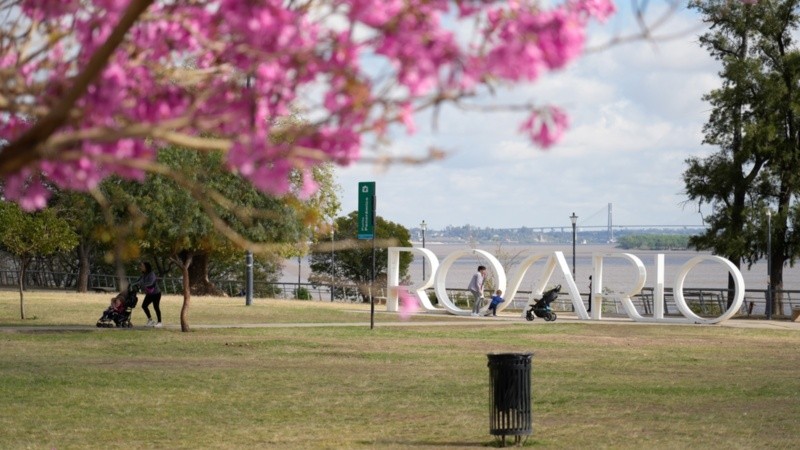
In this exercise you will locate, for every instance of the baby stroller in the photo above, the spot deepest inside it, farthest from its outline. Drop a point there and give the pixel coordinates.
(120, 317)
(541, 308)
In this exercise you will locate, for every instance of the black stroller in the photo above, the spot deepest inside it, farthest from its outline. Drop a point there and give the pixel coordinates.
(120, 318)
(541, 308)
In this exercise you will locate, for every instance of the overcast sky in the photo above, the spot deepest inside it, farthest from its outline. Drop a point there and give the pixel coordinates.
(636, 114)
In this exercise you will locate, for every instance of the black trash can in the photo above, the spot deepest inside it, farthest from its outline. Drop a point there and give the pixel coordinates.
(510, 391)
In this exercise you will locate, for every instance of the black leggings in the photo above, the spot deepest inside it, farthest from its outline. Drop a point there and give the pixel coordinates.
(155, 299)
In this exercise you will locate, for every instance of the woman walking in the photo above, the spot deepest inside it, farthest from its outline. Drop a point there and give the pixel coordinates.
(148, 282)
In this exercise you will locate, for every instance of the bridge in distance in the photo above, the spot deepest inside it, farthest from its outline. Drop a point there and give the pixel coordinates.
(609, 226)
(564, 229)
(607, 233)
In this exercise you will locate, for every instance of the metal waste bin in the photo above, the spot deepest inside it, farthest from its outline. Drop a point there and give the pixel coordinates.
(510, 391)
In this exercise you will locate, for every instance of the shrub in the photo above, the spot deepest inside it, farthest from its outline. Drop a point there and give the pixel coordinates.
(302, 293)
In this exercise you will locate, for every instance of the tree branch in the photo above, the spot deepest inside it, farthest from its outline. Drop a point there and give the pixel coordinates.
(28, 147)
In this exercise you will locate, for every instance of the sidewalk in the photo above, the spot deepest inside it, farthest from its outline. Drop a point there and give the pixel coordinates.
(502, 319)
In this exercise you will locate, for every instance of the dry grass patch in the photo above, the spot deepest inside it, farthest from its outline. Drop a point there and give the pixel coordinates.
(47, 308)
(595, 385)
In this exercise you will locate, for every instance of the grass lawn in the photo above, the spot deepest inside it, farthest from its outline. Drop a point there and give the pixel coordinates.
(594, 385)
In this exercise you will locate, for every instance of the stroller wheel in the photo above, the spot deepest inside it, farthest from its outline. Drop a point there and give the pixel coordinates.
(529, 316)
(554, 317)
(550, 317)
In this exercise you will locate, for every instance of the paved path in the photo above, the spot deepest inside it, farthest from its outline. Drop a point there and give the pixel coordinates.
(452, 321)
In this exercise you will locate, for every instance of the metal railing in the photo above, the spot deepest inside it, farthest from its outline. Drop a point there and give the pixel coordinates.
(174, 285)
(704, 301)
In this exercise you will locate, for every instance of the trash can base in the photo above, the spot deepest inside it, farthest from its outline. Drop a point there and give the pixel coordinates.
(518, 442)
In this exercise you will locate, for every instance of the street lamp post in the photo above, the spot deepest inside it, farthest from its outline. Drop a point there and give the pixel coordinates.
(248, 293)
(768, 306)
(574, 220)
(423, 226)
(299, 261)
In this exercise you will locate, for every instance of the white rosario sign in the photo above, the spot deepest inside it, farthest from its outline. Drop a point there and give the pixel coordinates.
(555, 261)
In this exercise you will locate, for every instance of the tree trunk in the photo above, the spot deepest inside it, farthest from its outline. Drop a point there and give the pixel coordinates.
(780, 247)
(122, 277)
(21, 288)
(199, 284)
(776, 277)
(732, 283)
(83, 268)
(24, 262)
(186, 262)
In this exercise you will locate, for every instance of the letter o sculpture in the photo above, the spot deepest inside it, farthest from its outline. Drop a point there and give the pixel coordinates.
(444, 267)
(738, 282)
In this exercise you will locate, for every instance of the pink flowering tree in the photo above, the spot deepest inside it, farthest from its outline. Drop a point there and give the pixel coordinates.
(91, 88)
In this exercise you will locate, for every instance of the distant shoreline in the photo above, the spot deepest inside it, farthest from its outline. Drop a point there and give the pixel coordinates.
(617, 271)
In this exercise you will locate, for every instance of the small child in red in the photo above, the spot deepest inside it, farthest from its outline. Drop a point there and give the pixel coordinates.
(117, 305)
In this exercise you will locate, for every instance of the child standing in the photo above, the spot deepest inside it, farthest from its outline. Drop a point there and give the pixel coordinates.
(496, 300)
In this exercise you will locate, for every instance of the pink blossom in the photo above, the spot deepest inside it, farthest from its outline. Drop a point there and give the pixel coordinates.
(41, 9)
(35, 197)
(257, 160)
(308, 185)
(12, 127)
(599, 9)
(407, 117)
(561, 39)
(27, 190)
(233, 69)
(365, 11)
(546, 126)
(8, 60)
(408, 304)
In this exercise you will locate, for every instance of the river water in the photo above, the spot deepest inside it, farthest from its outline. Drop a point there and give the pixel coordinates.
(618, 273)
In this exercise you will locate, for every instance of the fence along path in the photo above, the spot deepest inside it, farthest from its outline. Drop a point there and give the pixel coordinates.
(706, 301)
(174, 285)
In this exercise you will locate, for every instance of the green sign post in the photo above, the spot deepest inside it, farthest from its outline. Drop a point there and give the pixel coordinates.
(366, 230)
(366, 210)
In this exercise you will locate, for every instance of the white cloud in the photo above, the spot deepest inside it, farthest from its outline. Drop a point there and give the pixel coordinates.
(636, 114)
